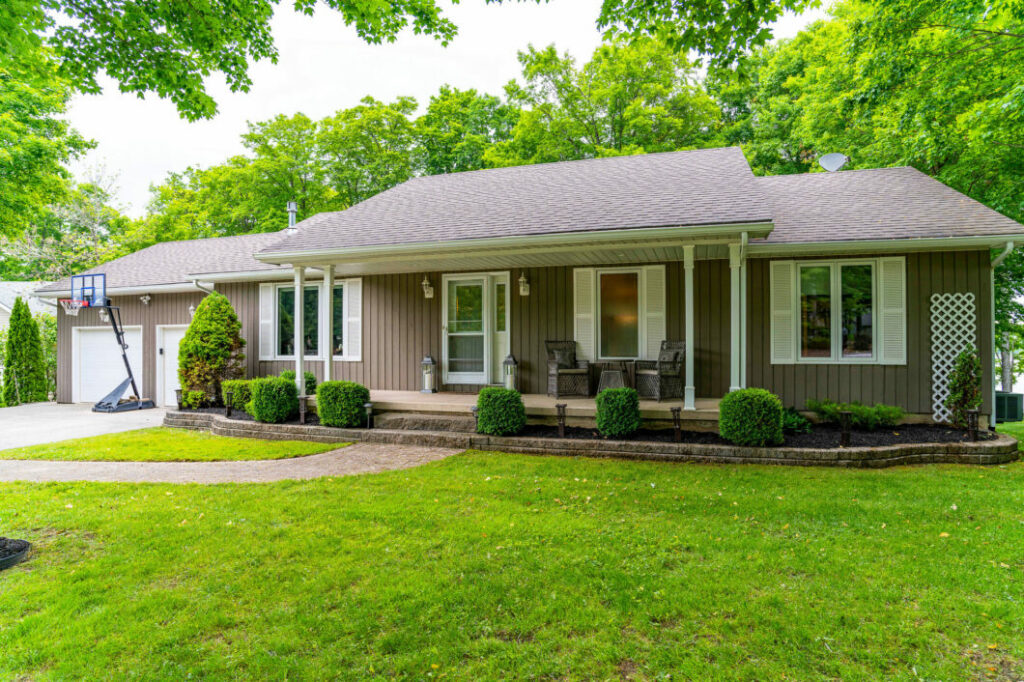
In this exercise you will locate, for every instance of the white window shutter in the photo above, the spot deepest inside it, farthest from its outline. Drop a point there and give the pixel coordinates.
(267, 326)
(891, 335)
(584, 302)
(782, 309)
(654, 309)
(353, 342)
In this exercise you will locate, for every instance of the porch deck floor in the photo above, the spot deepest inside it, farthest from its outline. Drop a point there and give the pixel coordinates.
(536, 405)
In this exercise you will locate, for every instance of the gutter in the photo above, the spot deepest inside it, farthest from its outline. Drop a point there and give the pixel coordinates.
(884, 246)
(179, 288)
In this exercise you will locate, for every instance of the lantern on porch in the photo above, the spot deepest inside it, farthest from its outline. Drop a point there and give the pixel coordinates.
(510, 370)
(429, 368)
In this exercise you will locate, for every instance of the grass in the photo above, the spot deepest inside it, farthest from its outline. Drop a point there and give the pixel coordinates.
(167, 445)
(1015, 429)
(489, 566)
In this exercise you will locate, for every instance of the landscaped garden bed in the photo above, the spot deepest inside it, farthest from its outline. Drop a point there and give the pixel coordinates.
(12, 552)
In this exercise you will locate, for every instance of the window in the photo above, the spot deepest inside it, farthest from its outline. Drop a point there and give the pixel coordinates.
(836, 311)
(286, 320)
(619, 309)
(338, 331)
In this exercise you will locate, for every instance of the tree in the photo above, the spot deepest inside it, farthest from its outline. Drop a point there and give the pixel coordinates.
(458, 127)
(171, 48)
(212, 349)
(47, 325)
(628, 99)
(24, 371)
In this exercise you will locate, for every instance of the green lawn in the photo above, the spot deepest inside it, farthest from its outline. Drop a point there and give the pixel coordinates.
(167, 445)
(491, 566)
(1015, 429)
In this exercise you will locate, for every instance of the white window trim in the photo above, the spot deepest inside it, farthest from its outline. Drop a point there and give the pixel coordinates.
(319, 321)
(641, 313)
(835, 283)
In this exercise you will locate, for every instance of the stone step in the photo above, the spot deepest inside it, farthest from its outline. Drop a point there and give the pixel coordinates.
(420, 421)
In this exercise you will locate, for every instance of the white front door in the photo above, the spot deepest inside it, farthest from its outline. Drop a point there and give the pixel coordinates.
(168, 338)
(475, 327)
(97, 365)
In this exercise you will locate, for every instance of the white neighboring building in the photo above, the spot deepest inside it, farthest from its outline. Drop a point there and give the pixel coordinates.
(9, 291)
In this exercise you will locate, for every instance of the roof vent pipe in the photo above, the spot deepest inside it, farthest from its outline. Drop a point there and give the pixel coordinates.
(292, 209)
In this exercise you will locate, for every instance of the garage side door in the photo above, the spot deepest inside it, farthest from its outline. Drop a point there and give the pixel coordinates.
(167, 355)
(98, 365)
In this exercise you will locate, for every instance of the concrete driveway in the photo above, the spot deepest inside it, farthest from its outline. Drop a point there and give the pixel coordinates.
(39, 423)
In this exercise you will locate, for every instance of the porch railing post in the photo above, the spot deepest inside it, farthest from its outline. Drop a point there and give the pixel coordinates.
(689, 391)
(300, 299)
(328, 335)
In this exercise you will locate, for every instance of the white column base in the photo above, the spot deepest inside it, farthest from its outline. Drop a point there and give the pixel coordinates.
(689, 398)
(734, 388)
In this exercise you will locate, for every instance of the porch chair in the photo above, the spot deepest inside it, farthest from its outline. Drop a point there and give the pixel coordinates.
(662, 378)
(566, 374)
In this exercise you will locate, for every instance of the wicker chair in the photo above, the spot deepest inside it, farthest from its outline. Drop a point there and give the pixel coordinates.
(662, 378)
(566, 374)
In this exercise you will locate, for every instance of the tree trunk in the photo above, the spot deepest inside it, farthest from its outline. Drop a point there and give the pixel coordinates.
(1006, 360)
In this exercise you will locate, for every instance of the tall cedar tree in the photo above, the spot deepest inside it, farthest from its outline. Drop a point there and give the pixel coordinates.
(24, 370)
(211, 351)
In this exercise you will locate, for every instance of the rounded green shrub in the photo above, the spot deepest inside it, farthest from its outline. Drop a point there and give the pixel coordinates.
(193, 400)
(308, 376)
(500, 411)
(274, 400)
(340, 403)
(751, 416)
(211, 351)
(241, 392)
(618, 412)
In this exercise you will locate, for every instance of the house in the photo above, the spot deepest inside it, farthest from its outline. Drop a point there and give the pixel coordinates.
(854, 285)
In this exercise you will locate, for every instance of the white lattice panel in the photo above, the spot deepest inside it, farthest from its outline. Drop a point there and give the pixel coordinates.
(954, 326)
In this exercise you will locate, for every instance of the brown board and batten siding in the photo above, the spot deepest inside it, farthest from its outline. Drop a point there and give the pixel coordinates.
(908, 386)
(400, 326)
(163, 309)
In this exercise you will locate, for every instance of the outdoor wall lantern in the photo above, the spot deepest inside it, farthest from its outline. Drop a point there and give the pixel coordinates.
(145, 299)
(524, 285)
(192, 310)
(429, 368)
(104, 316)
(510, 369)
(428, 291)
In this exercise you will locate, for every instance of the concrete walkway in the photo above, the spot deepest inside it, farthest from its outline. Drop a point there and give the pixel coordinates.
(360, 458)
(38, 423)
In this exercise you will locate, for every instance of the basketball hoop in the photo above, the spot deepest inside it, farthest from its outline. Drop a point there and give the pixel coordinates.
(72, 306)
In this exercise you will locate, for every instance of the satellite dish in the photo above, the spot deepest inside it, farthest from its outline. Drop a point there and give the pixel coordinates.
(834, 161)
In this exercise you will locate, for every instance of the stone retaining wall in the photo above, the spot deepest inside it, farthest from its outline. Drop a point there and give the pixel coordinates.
(999, 450)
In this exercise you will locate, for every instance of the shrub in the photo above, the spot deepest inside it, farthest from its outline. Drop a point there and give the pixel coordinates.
(273, 400)
(211, 351)
(340, 403)
(794, 422)
(241, 392)
(24, 367)
(500, 411)
(193, 400)
(964, 386)
(618, 412)
(863, 417)
(751, 416)
(309, 377)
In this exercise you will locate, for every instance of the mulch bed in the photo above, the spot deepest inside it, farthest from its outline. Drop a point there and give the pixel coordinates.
(822, 436)
(243, 416)
(12, 551)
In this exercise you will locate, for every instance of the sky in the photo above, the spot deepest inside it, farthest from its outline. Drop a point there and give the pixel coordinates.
(323, 67)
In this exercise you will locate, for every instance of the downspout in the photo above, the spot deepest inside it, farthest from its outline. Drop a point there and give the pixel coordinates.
(996, 262)
(44, 300)
(197, 285)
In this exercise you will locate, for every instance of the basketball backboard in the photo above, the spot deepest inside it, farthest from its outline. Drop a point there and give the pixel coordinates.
(91, 290)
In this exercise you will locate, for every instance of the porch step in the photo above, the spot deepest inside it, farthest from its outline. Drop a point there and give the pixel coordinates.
(424, 421)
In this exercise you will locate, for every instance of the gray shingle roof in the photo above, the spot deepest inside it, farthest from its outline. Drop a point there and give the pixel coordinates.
(698, 187)
(883, 203)
(172, 262)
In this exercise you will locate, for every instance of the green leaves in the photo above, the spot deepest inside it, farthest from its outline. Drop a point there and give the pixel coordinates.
(212, 349)
(24, 367)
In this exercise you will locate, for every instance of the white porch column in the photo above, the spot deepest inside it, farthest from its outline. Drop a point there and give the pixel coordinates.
(735, 318)
(328, 335)
(689, 391)
(300, 285)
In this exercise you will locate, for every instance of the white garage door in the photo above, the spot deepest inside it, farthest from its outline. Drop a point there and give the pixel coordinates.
(168, 340)
(98, 364)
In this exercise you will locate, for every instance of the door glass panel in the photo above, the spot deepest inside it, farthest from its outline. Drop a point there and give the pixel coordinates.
(499, 307)
(465, 307)
(815, 312)
(620, 315)
(857, 311)
(466, 353)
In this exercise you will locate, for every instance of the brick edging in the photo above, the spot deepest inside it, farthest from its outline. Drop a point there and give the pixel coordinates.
(1000, 450)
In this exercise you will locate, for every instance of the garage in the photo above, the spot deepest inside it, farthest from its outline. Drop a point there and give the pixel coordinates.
(97, 367)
